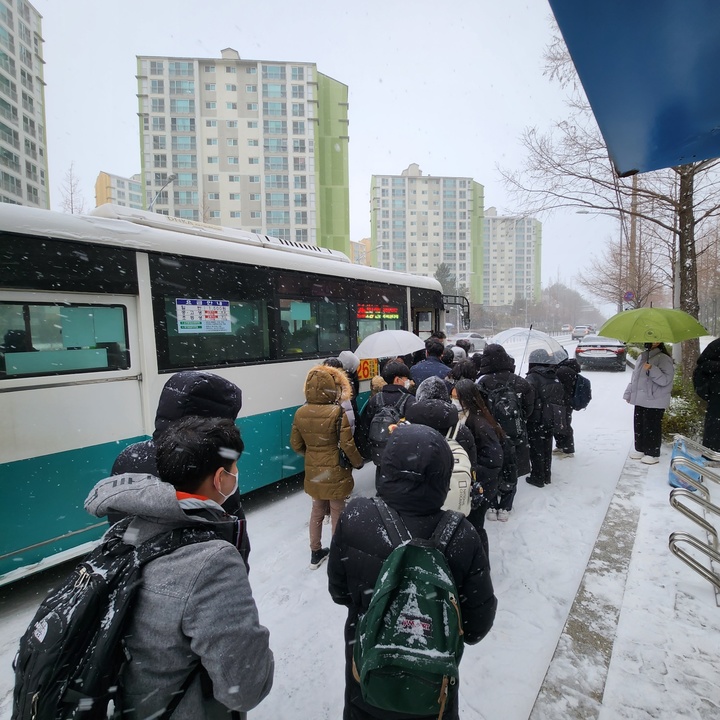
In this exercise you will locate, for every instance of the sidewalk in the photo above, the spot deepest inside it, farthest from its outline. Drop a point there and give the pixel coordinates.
(642, 637)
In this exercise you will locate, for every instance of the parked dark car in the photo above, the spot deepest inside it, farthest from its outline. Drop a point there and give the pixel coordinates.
(598, 353)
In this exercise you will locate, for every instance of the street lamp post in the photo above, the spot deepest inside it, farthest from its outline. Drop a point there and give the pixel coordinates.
(171, 178)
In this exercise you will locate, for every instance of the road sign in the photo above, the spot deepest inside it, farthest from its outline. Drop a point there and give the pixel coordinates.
(629, 295)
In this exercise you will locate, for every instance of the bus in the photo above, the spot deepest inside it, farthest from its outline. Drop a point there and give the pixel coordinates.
(98, 310)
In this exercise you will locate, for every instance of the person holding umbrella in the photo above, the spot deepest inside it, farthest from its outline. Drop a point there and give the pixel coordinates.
(649, 391)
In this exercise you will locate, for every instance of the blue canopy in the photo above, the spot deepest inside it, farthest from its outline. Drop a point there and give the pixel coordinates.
(651, 72)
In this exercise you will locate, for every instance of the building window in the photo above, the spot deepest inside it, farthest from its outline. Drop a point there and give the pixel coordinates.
(253, 161)
(160, 160)
(233, 160)
(214, 213)
(231, 105)
(300, 200)
(255, 215)
(211, 123)
(254, 196)
(251, 88)
(234, 213)
(299, 146)
(273, 90)
(230, 69)
(229, 87)
(273, 72)
(252, 124)
(213, 196)
(157, 87)
(301, 217)
(213, 178)
(251, 70)
(159, 142)
(275, 127)
(232, 142)
(212, 159)
(235, 178)
(210, 87)
(180, 68)
(182, 124)
(298, 109)
(299, 164)
(235, 196)
(156, 68)
(297, 73)
(209, 68)
(298, 92)
(157, 105)
(300, 182)
(158, 124)
(298, 127)
(252, 107)
(274, 109)
(182, 87)
(254, 178)
(253, 143)
(211, 141)
(211, 105)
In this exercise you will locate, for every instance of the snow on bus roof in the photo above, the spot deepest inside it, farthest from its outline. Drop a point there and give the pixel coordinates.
(118, 226)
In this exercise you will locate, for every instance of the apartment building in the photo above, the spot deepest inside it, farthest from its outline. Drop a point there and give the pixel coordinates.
(250, 144)
(119, 190)
(420, 221)
(511, 259)
(23, 144)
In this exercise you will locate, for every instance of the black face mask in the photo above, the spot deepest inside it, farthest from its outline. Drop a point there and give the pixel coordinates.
(648, 346)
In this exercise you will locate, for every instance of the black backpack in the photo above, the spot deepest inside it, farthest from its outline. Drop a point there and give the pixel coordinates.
(379, 431)
(582, 393)
(505, 406)
(72, 654)
(554, 412)
(701, 379)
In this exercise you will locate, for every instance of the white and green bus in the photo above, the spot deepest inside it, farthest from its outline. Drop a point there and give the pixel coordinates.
(97, 311)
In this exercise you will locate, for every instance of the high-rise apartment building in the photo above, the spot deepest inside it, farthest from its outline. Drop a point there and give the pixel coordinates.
(420, 221)
(119, 190)
(23, 145)
(511, 255)
(250, 144)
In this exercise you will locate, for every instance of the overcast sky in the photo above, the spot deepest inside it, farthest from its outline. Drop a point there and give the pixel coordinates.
(449, 86)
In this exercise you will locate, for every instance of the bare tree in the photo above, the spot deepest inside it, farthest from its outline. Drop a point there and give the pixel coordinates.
(569, 167)
(72, 201)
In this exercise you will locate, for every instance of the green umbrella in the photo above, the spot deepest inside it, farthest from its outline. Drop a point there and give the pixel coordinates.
(649, 325)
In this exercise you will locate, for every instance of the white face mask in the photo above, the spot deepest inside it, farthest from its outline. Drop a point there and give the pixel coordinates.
(407, 384)
(457, 404)
(235, 486)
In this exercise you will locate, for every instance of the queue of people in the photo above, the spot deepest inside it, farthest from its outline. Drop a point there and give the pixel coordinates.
(196, 621)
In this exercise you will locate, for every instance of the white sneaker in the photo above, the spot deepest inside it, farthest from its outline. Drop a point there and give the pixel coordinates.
(503, 515)
(635, 455)
(565, 455)
(491, 514)
(650, 460)
(558, 451)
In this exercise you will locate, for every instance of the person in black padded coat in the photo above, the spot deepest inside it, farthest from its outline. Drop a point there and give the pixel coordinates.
(414, 480)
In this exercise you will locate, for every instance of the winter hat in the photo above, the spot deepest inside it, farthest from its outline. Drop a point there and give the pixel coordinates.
(198, 393)
(540, 357)
(458, 352)
(432, 388)
(350, 360)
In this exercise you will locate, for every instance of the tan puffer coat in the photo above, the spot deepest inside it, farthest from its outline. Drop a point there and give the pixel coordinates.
(314, 434)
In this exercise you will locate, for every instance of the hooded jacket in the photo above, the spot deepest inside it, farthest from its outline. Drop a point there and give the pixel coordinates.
(195, 606)
(414, 480)
(388, 394)
(539, 374)
(709, 365)
(651, 388)
(314, 434)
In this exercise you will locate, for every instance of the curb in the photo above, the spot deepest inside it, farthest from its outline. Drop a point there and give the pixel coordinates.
(575, 680)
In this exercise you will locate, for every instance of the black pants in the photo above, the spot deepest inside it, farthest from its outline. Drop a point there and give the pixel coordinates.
(566, 441)
(540, 439)
(648, 430)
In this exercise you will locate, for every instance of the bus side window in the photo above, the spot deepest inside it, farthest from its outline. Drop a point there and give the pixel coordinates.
(53, 339)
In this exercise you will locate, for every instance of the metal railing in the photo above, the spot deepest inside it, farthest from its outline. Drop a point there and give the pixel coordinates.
(699, 484)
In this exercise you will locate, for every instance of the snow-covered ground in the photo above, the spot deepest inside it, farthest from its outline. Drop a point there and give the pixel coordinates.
(664, 661)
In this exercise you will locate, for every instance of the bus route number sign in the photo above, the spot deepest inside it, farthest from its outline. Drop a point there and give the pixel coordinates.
(367, 369)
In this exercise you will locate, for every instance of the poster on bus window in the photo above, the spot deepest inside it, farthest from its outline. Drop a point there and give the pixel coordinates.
(203, 316)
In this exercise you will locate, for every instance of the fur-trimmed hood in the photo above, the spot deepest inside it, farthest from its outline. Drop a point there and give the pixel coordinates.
(325, 385)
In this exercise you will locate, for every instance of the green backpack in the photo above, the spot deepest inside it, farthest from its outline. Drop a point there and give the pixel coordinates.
(409, 643)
